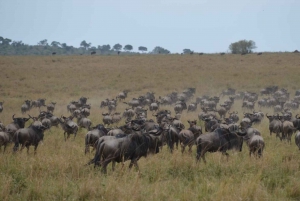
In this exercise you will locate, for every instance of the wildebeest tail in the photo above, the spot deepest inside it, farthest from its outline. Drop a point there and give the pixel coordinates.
(98, 154)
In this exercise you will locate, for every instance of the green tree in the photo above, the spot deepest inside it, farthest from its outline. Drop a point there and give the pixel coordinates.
(104, 48)
(117, 47)
(43, 42)
(128, 47)
(160, 50)
(55, 44)
(142, 48)
(242, 47)
(85, 45)
(4, 41)
(187, 51)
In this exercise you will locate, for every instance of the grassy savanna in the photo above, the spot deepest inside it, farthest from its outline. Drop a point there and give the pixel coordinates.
(57, 171)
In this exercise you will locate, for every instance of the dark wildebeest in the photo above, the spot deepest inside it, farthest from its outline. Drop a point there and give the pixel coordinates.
(234, 116)
(221, 140)
(189, 136)
(71, 107)
(297, 139)
(131, 147)
(93, 135)
(53, 53)
(26, 106)
(275, 125)
(38, 103)
(50, 107)
(1, 106)
(93, 52)
(107, 119)
(29, 136)
(122, 95)
(260, 53)
(5, 139)
(16, 125)
(69, 126)
(254, 141)
(83, 122)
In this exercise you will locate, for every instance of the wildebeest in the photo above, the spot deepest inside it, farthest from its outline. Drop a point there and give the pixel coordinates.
(26, 106)
(234, 116)
(180, 106)
(53, 53)
(297, 139)
(128, 113)
(154, 106)
(29, 136)
(1, 106)
(71, 107)
(287, 130)
(260, 53)
(131, 147)
(210, 124)
(17, 123)
(48, 115)
(189, 136)
(192, 107)
(254, 141)
(93, 52)
(69, 126)
(122, 95)
(83, 122)
(93, 135)
(275, 125)
(107, 119)
(116, 117)
(5, 139)
(51, 106)
(220, 140)
(38, 103)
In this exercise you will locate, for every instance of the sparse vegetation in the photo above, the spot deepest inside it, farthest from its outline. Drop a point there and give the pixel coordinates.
(57, 172)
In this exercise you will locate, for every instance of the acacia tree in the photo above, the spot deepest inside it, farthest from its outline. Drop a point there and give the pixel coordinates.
(142, 48)
(128, 47)
(160, 50)
(43, 42)
(85, 45)
(242, 47)
(117, 47)
(187, 51)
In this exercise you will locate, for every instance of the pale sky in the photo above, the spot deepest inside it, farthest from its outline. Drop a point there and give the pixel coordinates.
(200, 25)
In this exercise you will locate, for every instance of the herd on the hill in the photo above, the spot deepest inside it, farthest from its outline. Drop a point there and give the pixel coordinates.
(223, 130)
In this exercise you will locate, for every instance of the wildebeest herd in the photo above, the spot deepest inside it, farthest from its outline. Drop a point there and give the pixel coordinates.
(142, 134)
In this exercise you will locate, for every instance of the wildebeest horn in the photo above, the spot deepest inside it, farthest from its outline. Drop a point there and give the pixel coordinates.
(13, 117)
(296, 116)
(30, 116)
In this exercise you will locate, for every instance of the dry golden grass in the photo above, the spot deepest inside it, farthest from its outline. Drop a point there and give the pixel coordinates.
(57, 172)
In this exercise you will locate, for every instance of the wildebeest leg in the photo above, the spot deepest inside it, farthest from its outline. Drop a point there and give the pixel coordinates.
(226, 154)
(35, 147)
(203, 157)
(22, 147)
(134, 162)
(65, 136)
(182, 147)
(104, 166)
(27, 147)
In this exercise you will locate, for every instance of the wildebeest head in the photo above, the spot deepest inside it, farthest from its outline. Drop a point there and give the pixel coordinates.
(20, 121)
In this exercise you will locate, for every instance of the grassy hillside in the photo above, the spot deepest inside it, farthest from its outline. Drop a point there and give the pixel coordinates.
(57, 172)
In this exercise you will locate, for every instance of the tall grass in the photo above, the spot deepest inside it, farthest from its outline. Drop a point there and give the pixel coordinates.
(57, 172)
